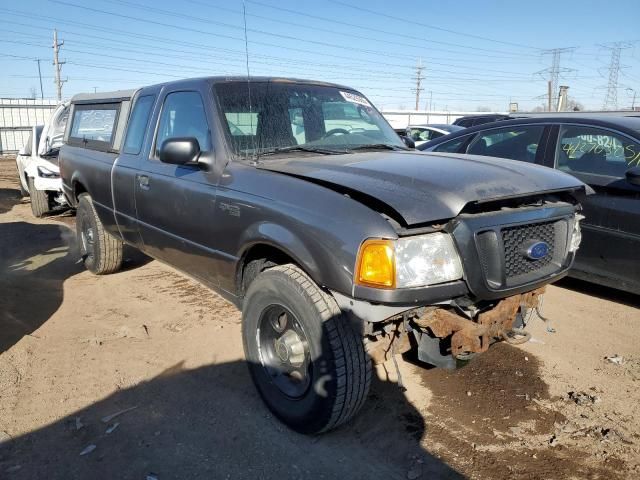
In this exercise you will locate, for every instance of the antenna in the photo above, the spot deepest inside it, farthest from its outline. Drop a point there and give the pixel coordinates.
(246, 50)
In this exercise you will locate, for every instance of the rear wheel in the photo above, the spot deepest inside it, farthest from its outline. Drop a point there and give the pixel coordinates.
(39, 200)
(307, 362)
(101, 252)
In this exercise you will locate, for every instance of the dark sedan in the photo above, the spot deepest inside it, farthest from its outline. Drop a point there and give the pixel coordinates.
(602, 151)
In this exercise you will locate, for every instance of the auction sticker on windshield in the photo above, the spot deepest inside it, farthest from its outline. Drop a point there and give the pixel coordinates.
(352, 97)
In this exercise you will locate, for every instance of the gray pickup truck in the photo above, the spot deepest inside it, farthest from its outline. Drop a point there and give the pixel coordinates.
(297, 201)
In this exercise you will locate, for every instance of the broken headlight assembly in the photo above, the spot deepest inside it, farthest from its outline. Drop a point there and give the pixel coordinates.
(576, 235)
(44, 172)
(416, 261)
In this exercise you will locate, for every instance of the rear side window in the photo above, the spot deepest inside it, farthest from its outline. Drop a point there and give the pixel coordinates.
(595, 151)
(420, 134)
(465, 122)
(93, 126)
(517, 143)
(451, 146)
(138, 125)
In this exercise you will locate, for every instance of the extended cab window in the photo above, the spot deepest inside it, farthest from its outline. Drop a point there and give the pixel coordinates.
(596, 151)
(517, 143)
(93, 125)
(138, 124)
(183, 115)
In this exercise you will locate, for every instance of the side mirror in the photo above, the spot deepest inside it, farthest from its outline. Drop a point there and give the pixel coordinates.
(180, 150)
(408, 142)
(633, 176)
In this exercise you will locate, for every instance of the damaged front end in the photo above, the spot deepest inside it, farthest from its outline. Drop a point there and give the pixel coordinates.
(446, 334)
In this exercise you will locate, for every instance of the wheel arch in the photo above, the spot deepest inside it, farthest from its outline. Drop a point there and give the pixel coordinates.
(260, 255)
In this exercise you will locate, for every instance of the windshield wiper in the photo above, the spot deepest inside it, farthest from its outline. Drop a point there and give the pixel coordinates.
(302, 148)
(379, 146)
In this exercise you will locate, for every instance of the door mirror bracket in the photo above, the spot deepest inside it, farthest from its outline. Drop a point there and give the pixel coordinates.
(180, 150)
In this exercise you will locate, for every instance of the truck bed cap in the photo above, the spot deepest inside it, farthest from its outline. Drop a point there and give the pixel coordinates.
(103, 96)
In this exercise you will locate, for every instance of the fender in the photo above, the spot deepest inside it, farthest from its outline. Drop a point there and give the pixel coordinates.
(324, 270)
(281, 238)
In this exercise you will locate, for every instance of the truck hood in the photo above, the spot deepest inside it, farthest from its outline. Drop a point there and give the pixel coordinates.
(427, 187)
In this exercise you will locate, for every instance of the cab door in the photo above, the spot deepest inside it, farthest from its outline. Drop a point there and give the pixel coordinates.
(611, 230)
(175, 204)
(127, 166)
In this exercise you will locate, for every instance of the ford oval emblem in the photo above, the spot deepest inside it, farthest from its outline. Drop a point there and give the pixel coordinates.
(536, 250)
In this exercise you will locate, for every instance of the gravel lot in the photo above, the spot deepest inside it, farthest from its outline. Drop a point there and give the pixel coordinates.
(76, 348)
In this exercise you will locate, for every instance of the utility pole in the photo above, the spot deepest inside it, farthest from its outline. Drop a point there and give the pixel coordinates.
(633, 101)
(553, 73)
(57, 64)
(611, 98)
(418, 78)
(40, 76)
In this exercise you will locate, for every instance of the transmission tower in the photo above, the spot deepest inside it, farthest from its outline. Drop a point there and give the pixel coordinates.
(553, 73)
(57, 64)
(418, 78)
(611, 99)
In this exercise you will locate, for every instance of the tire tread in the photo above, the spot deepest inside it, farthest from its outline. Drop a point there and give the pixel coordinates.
(353, 367)
(108, 258)
(39, 200)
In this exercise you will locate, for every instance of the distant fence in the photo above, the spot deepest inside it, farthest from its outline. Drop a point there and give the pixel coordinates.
(403, 118)
(17, 116)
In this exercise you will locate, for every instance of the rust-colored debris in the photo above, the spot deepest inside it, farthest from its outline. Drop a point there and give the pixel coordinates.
(469, 336)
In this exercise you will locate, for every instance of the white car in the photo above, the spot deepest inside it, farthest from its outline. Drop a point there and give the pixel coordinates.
(37, 163)
(423, 133)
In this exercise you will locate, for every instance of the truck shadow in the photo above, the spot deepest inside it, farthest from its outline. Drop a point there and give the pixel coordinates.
(36, 260)
(210, 423)
(8, 198)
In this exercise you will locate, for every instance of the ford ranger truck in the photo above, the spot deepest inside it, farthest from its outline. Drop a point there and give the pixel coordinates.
(296, 201)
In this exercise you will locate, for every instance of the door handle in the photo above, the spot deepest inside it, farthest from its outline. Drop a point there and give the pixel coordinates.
(143, 181)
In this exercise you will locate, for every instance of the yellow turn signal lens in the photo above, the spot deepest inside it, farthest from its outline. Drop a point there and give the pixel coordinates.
(376, 266)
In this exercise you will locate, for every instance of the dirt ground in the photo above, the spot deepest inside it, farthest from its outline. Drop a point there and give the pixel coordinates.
(76, 349)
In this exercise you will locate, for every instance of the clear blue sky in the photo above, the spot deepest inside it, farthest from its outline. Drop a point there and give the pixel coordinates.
(475, 54)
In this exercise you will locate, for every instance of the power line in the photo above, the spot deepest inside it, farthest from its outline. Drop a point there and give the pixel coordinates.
(375, 30)
(433, 27)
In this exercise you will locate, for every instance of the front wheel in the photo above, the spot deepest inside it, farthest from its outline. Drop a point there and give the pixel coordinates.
(39, 200)
(101, 252)
(306, 360)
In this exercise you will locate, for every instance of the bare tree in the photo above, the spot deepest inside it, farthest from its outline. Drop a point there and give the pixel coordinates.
(574, 106)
